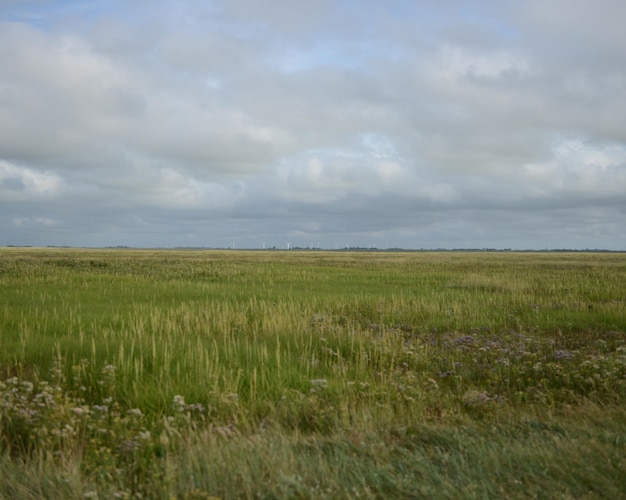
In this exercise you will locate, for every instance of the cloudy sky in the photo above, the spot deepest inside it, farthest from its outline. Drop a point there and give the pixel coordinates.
(403, 123)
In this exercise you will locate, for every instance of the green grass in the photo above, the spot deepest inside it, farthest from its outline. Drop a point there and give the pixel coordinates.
(234, 374)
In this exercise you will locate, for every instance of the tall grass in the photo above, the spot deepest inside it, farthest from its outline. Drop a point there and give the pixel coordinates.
(311, 374)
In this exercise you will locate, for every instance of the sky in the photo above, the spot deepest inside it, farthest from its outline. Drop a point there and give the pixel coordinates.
(239, 123)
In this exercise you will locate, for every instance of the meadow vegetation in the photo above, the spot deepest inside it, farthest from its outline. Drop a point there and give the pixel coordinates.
(305, 374)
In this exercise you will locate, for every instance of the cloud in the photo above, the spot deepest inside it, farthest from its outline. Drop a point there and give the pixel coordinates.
(20, 184)
(421, 124)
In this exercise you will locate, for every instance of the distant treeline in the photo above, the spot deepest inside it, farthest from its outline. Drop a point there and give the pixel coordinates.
(350, 249)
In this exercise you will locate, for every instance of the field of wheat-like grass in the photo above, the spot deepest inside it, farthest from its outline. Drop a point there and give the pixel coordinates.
(311, 374)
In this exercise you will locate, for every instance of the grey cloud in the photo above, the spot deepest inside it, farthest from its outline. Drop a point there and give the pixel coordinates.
(420, 124)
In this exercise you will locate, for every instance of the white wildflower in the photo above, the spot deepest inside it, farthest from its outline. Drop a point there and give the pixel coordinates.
(27, 386)
(319, 382)
(144, 435)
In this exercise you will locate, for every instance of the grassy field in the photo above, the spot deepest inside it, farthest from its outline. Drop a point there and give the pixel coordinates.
(202, 374)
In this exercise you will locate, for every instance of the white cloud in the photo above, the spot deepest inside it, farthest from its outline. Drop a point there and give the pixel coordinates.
(456, 64)
(21, 184)
(420, 123)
